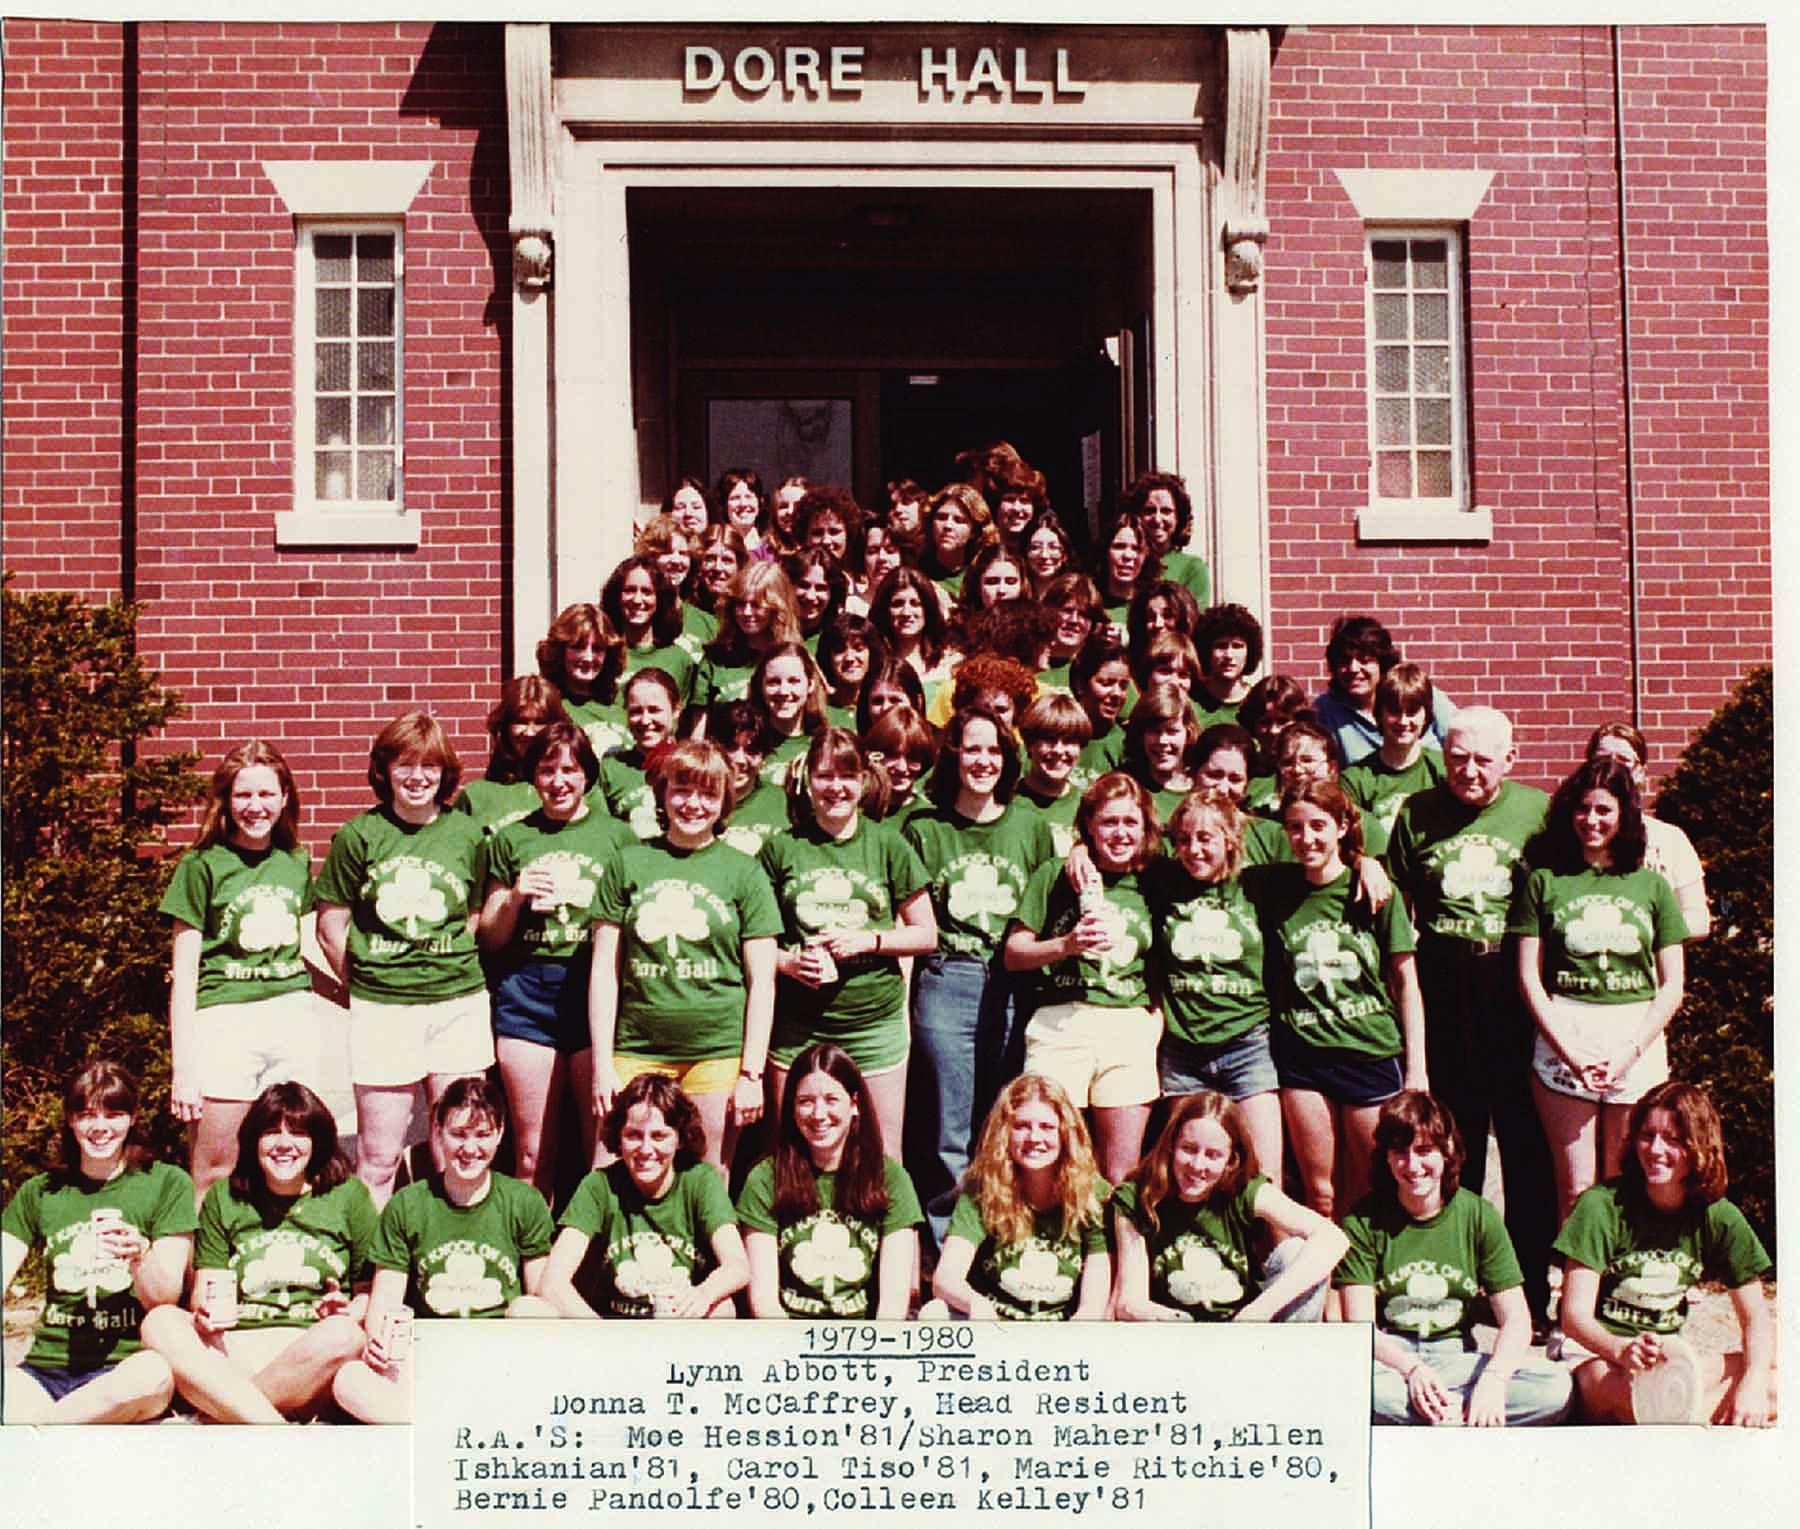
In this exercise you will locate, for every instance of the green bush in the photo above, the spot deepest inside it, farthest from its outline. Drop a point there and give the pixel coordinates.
(84, 816)
(1722, 795)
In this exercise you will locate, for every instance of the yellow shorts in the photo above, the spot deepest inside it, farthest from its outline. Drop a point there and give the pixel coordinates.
(714, 1075)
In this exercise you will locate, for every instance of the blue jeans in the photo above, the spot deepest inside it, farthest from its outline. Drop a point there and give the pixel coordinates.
(1309, 1305)
(1538, 1393)
(966, 1046)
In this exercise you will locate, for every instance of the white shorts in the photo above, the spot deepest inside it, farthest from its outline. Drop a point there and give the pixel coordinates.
(1100, 1056)
(244, 1047)
(1596, 1030)
(394, 1045)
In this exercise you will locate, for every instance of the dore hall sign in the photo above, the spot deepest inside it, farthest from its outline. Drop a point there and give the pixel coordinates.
(809, 71)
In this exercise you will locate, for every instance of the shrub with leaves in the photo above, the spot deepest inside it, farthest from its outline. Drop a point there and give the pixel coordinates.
(84, 817)
(1722, 795)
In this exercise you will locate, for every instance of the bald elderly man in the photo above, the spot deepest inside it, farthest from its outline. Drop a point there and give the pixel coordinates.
(1457, 855)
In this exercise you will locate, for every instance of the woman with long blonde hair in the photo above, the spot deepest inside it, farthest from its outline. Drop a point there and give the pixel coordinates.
(1027, 1239)
(756, 612)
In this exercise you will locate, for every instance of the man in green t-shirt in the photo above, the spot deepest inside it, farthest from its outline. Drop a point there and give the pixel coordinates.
(1457, 855)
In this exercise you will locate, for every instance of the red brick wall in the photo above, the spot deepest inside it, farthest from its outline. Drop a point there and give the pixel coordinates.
(316, 649)
(1697, 227)
(1536, 621)
(64, 293)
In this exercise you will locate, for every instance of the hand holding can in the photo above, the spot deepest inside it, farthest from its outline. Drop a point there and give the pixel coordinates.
(217, 1298)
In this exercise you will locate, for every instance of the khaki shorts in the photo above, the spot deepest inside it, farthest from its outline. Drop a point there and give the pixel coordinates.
(1104, 1057)
(394, 1045)
(713, 1075)
(244, 1047)
(1593, 1030)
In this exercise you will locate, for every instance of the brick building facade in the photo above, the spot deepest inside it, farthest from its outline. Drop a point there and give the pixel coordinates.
(1171, 231)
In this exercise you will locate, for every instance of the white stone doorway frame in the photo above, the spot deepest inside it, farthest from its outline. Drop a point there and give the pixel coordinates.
(576, 473)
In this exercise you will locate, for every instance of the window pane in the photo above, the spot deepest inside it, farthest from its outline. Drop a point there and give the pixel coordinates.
(1431, 263)
(375, 366)
(1390, 318)
(1431, 316)
(375, 422)
(1434, 475)
(1434, 422)
(332, 475)
(331, 257)
(1391, 368)
(355, 404)
(331, 419)
(375, 475)
(1431, 369)
(334, 310)
(375, 257)
(1391, 422)
(333, 368)
(375, 310)
(1393, 474)
(1388, 257)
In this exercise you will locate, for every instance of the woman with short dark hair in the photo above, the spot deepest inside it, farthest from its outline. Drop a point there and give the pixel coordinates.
(116, 1230)
(282, 1261)
(1422, 1249)
(398, 902)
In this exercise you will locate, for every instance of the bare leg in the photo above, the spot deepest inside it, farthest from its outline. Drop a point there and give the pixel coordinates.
(581, 1084)
(206, 1375)
(1356, 1135)
(371, 1397)
(135, 1390)
(299, 1377)
(1613, 1120)
(533, 1080)
(889, 1092)
(1312, 1129)
(712, 1121)
(1262, 1114)
(1570, 1125)
(215, 1142)
(1119, 1138)
(382, 1116)
(1605, 1393)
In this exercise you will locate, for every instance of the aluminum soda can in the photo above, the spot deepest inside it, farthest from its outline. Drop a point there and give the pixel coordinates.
(1090, 890)
(828, 971)
(218, 1294)
(397, 1336)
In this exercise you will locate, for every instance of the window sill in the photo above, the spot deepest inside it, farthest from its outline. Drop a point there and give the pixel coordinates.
(347, 528)
(1383, 524)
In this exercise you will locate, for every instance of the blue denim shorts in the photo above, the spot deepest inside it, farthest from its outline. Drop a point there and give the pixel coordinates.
(60, 1383)
(546, 1003)
(1237, 1068)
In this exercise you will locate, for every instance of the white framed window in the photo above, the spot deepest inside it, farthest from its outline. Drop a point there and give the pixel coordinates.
(1418, 402)
(349, 365)
(349, 350)
(1415, 224)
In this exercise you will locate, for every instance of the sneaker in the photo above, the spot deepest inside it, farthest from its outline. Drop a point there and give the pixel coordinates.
(934, 1311)
(1670, 1391)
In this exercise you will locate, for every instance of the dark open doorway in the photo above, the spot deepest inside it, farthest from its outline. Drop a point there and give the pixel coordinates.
(891, 333)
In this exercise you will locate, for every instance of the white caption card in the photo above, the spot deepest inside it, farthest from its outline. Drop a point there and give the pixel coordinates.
(975, 1420)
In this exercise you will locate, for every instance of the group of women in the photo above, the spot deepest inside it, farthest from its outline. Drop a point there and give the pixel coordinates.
(1025, 916)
